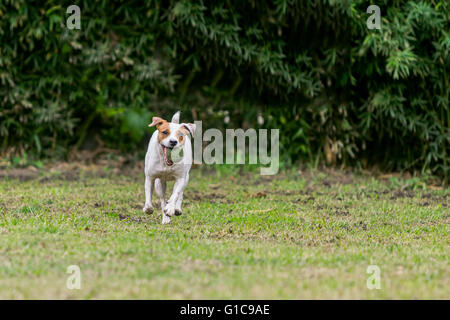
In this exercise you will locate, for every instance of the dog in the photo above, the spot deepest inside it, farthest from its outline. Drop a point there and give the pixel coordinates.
(159, 169)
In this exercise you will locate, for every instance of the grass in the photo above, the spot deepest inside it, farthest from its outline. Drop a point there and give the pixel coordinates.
(292, 236)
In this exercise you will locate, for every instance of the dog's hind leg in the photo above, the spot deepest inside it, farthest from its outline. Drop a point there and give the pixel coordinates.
(148, 207)
(160, 188)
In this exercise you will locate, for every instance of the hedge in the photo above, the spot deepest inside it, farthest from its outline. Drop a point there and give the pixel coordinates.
(339, 91)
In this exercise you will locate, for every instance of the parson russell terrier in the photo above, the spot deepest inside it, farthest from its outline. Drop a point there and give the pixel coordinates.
(159, 168)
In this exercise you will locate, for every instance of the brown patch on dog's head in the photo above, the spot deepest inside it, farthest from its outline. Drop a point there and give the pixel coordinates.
(162, 126)
(164, 130)
(181, 133)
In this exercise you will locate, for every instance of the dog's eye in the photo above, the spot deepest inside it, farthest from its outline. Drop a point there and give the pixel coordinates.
(180, 134)
(165, 132)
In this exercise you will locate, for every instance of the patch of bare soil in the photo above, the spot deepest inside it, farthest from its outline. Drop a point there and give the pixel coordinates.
(402, 194)
(21, 174)
(137, 219)
(72, 171)
(212, 197)
(259, 194)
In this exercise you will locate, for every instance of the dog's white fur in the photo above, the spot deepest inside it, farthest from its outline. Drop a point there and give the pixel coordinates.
(157, 171)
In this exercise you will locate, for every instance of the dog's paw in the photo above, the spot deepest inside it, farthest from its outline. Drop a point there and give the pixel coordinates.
(169, 210)
(165, 219)
(178, 212)
(148, 209)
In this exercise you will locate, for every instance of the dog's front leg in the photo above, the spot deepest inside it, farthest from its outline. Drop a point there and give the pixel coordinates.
(160, 188)
(178, 188)
(178, 211)
(148, 207)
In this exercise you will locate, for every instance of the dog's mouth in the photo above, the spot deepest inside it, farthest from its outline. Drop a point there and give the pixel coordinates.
(166, 160)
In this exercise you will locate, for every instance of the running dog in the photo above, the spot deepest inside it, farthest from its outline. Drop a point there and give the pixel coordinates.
(170, 138)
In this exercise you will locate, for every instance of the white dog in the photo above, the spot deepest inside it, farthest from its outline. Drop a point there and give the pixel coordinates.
(159, 168)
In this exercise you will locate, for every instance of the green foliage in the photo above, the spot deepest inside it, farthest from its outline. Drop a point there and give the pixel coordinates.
(338, 90)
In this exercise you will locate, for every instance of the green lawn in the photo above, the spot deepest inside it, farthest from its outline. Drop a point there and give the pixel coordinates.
(293, 236)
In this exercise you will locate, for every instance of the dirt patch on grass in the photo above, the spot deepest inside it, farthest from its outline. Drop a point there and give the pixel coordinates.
(21, 174)
(341, 212)
(212, 197)
(137, 219)
(402, 194)
(259, 194)
(74, 171)
(304, 200)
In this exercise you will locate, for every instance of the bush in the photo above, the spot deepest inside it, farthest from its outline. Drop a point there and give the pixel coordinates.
(339, 91)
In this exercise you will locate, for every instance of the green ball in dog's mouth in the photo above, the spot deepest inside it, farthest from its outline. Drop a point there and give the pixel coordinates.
(175, 155)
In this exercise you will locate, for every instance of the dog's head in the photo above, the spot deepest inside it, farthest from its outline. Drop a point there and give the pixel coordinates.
(171, 135)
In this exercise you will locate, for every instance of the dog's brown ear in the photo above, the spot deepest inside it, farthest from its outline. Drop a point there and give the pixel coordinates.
(156, 121)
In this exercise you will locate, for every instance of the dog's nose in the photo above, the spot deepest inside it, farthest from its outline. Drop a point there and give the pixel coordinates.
(173, 143)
